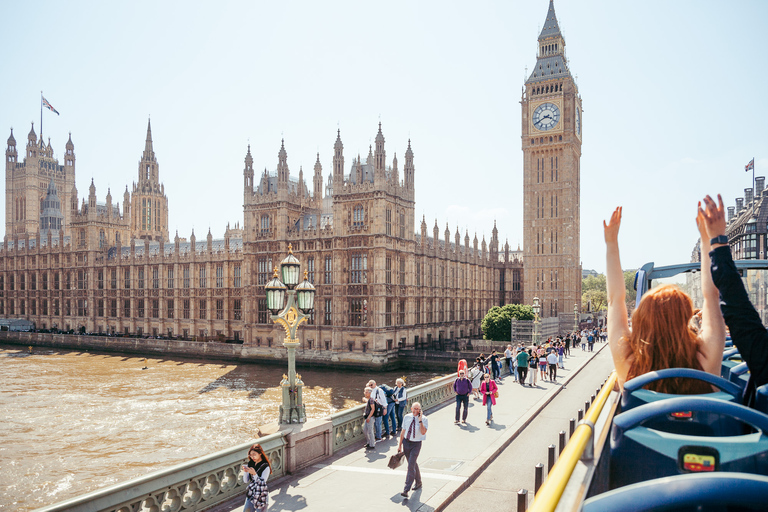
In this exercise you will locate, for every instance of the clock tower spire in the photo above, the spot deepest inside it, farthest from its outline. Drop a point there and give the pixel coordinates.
(551, 143)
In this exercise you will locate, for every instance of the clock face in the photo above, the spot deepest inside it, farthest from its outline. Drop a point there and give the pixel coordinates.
(546, 116)
(578, 121)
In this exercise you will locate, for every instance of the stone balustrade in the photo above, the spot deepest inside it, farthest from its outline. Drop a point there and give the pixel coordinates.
(203, 482)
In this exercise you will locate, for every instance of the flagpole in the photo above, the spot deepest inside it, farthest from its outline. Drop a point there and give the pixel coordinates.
(753, 187)
(41, 116)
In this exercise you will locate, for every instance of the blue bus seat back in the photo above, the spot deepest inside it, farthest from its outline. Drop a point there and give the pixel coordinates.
(634, 395)
(761, 399)
(686, 492)
(651, 453)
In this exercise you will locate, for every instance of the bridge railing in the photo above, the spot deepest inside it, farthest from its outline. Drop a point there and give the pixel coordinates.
(193, 485)
(206, 481)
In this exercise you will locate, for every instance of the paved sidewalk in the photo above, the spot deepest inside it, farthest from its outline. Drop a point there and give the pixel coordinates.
(452, 457)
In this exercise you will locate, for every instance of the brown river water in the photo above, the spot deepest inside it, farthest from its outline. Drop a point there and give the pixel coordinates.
(73, 422)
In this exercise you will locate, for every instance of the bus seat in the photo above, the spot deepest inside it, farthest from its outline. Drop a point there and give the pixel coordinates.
(634, 395)
(640, 453)
(739, 375)
(682, 493)
(761, 399)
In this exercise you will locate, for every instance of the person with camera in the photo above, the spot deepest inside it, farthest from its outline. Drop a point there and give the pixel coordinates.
(414, 431)
(255, 474)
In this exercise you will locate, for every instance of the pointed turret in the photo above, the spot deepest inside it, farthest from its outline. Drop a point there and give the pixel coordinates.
(338, 164)
(408, 170)
(248, 173)
(379, 158)
(32, 137)
(69, 155)
(317, 180)
(300, 186)
(148, 150)
(551, 63)
(92, 196)
(395, 172)
(11, 156)
(282, 166)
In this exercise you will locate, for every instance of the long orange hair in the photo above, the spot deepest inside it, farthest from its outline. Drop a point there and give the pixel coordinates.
(663, 336)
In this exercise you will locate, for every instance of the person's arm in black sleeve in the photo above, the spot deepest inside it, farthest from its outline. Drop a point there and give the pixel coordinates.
(747, 330)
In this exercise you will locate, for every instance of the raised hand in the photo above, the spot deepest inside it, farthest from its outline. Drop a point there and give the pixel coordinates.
(611, 229)
(713, 216)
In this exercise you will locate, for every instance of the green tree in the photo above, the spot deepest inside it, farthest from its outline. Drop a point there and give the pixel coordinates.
(497, 323)
(593, 291)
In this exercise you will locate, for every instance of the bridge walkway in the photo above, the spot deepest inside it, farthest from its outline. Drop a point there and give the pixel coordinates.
(471, 466)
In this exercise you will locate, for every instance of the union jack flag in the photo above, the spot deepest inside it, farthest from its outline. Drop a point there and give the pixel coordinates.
(49, 106)
(750, 166)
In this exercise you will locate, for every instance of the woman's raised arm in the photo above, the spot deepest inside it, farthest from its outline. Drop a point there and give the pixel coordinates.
(618, 326)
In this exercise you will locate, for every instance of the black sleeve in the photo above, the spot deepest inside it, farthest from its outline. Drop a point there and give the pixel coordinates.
(747, 330)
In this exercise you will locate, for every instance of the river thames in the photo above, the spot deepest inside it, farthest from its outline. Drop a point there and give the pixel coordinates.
(74, 422)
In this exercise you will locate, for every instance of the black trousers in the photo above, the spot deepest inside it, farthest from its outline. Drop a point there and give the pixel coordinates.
(462, 399)
(522, 373)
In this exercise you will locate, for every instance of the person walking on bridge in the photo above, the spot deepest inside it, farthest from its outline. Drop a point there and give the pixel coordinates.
(414, 432)
(255, 474)
(489, 390)
(463, 387)
(522, 366)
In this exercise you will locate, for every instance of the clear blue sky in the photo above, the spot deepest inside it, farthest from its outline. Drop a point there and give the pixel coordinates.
(673, 96)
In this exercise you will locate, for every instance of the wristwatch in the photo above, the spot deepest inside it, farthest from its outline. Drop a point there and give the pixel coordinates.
(720, 239)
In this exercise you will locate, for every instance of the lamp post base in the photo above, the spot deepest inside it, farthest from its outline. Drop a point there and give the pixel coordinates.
(292, 414)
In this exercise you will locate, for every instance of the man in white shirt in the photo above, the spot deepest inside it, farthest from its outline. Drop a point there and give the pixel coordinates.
(380, 397)
(414, 432)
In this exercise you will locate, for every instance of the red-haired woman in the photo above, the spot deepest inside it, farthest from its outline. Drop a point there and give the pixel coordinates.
(255, 474)
(662, 334)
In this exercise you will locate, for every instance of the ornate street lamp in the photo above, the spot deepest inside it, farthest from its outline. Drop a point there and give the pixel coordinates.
(575, 318)
(301, 301)
(536, 310)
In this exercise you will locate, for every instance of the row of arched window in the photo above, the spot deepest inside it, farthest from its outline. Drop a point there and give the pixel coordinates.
(546, 89)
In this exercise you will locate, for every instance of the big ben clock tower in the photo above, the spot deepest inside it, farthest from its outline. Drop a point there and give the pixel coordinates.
(551, 139)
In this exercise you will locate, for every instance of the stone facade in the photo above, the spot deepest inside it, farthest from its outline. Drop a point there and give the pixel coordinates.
(379, 284)
(551, 142)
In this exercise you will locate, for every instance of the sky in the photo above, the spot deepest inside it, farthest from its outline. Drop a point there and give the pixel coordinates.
(673, 95)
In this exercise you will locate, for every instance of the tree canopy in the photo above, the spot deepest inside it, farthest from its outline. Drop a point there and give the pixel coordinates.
(593, 291)
(497, 324)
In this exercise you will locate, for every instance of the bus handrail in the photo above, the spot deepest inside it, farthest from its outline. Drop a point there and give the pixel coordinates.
(549, 494)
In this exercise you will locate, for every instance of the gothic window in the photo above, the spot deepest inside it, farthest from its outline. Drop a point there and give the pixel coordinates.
(263, 315)
(185, 308)
(401, 313)
(418, 273)
(100, 279)
(185, 278)
(102, 239)
(202, 309)
(202, 282)
(264, 270)
(126, 275)
(219, 309)
(388, 313)
(328, 270)
(388, 270)
(264, 223)
(141, 278)
(155, 278)
(170, 278)
(311, 269)
(140, 308)
(155, 308)
(402, 225)
(237, 312)
(237, 281)
(126, 308)
(169, 310)
(388, 221)
(357, 312)
(359, 269)
(402, 271)
(219, 276)
(418, 311)
(328, 313)
(358, 218)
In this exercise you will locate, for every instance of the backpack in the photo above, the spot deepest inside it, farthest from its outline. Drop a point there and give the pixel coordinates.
(389, 392)
(378, 410)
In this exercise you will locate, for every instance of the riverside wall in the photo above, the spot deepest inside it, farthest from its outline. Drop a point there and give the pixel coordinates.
(235, 352)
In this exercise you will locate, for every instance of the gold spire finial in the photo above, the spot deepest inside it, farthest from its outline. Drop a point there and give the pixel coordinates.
(275, 271)
(290, 248)
(306, 275)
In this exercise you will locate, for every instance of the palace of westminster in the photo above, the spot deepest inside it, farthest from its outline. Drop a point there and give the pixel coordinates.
(106, 267)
